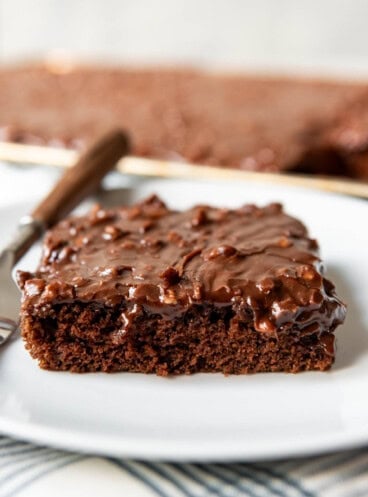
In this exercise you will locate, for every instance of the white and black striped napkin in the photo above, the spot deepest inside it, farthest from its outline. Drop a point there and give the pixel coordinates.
(27, 470)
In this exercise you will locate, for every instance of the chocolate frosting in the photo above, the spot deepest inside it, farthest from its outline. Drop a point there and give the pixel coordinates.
(260, 261)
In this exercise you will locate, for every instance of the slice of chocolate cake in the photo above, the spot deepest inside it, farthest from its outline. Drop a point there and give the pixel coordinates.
(152, 290)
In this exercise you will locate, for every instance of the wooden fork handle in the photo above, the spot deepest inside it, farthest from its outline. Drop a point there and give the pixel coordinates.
(81, 179)
(75, 184)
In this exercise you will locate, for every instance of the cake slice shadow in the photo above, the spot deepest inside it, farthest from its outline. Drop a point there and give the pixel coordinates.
(352, 338)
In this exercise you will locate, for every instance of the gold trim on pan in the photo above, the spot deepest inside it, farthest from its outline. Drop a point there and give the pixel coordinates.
(48, 156)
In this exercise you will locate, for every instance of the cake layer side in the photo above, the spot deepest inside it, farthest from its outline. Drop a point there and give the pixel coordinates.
(81, 337)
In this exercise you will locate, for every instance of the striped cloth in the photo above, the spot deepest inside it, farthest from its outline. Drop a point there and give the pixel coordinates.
(28, 471)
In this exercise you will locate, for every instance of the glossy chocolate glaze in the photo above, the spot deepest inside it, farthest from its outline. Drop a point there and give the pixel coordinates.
(259, 261)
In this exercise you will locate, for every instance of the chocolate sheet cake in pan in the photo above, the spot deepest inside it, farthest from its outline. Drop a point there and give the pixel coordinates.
(246, 122)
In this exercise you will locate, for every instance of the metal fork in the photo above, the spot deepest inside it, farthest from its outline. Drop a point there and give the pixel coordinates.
(75, 185)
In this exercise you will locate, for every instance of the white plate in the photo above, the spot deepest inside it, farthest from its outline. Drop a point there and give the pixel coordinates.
(210, 416)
